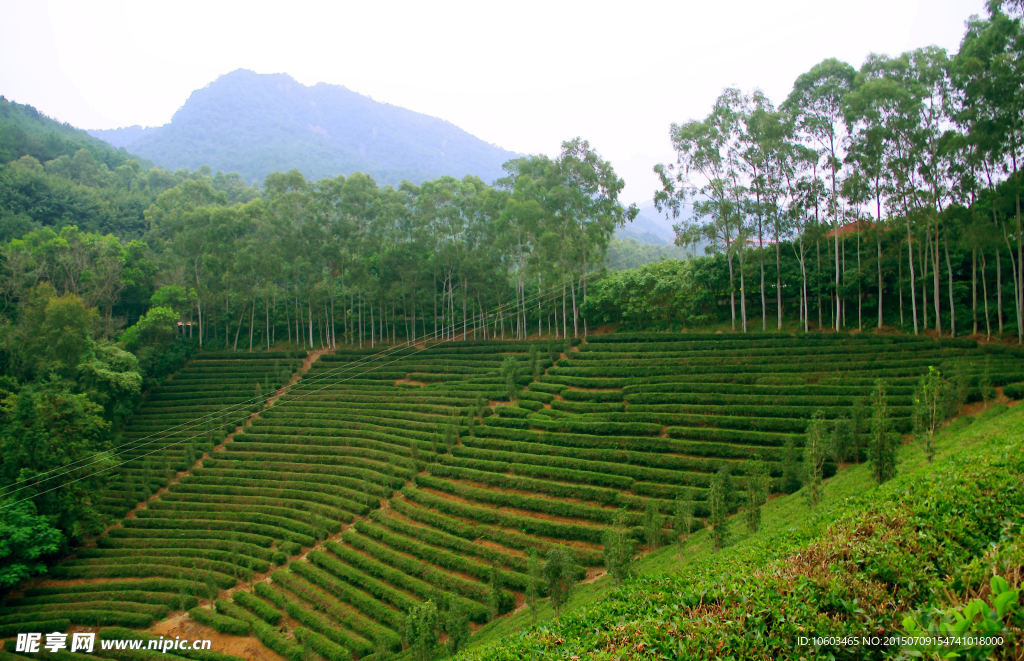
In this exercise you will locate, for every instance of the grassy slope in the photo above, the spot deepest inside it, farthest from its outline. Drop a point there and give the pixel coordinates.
(893, 570)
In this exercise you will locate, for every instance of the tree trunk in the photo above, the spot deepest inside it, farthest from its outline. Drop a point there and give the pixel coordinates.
(199, 305)
(575, 311)
(974, 289)
(565, 323)
(298, 319)
(743, 293)
(540, 319)
(732, 291)
(238, 330)
(1020, 269)
(832, 305)
(842, 299)
(899, 265)
(1013, 275)
(922, 254)
(937, 282)
(881, 285)
(804, 302)
(764, 303)
(778, 279)
(913, 298)
(821, 320)
(835, 226)
(949, 273)
(860, 292)
(999, 291)
(252, 319)
(984, 295)
(1020, 273)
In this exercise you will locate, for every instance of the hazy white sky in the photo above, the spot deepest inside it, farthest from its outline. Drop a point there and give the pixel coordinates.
(523, 75)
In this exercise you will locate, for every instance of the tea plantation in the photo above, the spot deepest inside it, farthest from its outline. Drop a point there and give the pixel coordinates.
(384, 479)
(815, 581)
(152, 565)
(189, 414)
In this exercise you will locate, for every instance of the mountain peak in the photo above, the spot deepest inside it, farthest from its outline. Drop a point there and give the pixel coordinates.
(254, 124)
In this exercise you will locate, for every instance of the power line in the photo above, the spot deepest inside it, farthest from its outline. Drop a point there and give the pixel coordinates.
(551, 294)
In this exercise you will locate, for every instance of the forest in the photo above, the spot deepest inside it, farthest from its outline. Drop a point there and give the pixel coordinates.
(887, 196)
(869, 225)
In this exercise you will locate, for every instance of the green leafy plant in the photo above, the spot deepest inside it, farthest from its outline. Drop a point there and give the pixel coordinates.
(758, 485)
(619, 548)
(510, 373)
(718, 504)
(816, 450)
(682, 523)
(929, 409)
(421, 630)
(883, 441)
(559, 570)
(975, 619)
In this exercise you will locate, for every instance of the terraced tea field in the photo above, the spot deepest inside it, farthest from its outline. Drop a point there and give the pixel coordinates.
(380, 481)
(144, 569)
(193, 411)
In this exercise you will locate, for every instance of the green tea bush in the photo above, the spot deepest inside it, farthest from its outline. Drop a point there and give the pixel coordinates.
(260, 608)
(400, 579)
(321, 645)
(339, 570)
(367, 605)
(218, 622)
(309, 618)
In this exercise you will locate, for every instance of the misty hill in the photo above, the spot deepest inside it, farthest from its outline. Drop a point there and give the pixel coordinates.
(24, 131)
(649, 226)
(255, 124)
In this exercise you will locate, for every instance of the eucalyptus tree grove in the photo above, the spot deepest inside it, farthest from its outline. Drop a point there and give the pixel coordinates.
(917, 152)
(344, 260)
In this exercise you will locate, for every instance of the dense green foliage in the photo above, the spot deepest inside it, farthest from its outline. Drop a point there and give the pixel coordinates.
(629, 253)
(859, 565)
(53, 175)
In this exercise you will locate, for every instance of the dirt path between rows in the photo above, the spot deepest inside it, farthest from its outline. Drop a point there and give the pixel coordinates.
(246, 647)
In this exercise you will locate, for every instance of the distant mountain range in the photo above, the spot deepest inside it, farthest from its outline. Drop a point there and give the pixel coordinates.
(650, 226)
(255, 124)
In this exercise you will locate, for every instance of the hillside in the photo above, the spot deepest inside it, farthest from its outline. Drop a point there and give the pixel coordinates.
(852, 566)
(255, 124)
(26, 131)
(649, 226)
(386, 479)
